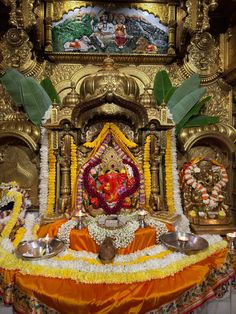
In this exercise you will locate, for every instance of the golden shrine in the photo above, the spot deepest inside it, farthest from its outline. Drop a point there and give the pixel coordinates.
(117, 179)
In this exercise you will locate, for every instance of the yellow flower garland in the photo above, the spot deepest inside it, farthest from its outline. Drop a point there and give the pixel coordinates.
(73, 167)
(117, 134)
(146, 169)
(51, 178)
(34, 231)
(169, 173)
(10, 262)
(19, 236)
(15, 213)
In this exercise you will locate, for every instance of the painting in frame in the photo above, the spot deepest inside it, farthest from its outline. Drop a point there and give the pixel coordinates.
(95, 29)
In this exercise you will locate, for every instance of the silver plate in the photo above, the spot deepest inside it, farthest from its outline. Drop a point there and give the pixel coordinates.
(38, 249)
(187, 243)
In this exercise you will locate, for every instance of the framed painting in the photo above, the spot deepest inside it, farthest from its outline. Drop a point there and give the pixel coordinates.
(78, 30)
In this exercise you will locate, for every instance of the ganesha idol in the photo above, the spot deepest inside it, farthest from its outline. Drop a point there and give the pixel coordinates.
(109, 182)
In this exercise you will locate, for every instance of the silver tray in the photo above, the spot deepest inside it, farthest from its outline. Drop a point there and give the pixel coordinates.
(187, 243)
(39, 249)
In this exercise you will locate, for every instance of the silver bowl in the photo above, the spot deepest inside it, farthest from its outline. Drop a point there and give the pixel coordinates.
(39, 249)
(183, 242)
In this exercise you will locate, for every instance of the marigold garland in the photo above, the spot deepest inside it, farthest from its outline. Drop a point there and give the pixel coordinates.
(117, 134)
(17, 196)
(73, 167)
(74, 269)
(146, 169)
(169, 171)
(19, 236)
(51, 178)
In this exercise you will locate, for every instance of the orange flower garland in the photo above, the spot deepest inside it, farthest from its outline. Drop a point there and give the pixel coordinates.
(146, 169)
(73, 168)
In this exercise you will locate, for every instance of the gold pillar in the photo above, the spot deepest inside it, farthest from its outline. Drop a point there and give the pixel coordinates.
(65, 172)
(48, 26)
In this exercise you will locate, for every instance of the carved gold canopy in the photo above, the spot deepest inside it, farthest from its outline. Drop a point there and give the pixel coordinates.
(108, 95)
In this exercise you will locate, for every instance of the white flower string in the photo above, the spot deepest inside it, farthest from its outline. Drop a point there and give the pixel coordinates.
(65, 230)
(183, 223)
(122, 236)
(30, 221)
(43, 185)
(160, 227)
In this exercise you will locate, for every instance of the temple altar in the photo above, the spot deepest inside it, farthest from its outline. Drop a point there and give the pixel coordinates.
(117, 157)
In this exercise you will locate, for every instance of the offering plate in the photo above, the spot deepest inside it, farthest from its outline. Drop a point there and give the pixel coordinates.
(183, 242)
(39, 249)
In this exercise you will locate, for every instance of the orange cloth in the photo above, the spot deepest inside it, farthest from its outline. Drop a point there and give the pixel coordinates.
(70, 297)
(81, 240)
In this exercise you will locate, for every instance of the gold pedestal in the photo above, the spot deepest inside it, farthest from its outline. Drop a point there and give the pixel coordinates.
(213, 229)
(46, 219)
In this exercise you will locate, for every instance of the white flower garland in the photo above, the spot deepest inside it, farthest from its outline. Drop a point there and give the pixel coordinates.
(159, 226)
(30, 221)
(122, 236)
(64, 231)
(183, 223)
(79, 265)
(43, 185)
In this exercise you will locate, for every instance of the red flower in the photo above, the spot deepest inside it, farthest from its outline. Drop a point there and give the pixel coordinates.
(95, 202)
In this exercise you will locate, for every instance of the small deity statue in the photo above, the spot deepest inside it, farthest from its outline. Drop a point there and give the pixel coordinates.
(203, 182)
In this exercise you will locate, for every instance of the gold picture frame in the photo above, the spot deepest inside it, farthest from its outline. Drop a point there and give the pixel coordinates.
(75, 31)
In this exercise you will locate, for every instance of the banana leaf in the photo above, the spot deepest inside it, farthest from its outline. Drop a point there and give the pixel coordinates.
(10, 80)
(201, 121)
(186, 104)
(188, 86)
(35, 100)
(195, 111)
(50, 90)
(169, 94)
(162, 85)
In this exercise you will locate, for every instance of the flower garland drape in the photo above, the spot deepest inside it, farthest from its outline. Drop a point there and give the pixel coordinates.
(51, 178)
(43, 185)
(73, 167)
(17, 196)
(146, 169)
(154, 263)
(172, 182)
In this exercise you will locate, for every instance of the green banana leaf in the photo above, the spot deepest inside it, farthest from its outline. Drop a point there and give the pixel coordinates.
(186, 104)
(169, 94)
(188, 86)
(35, 100)
(10, 80)
(201, 121)
(195, 111)
(50, 90)
(162, 85)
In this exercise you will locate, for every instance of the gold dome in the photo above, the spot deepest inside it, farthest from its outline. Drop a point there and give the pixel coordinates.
(72, 98)
(146, 99)
(109, 82)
